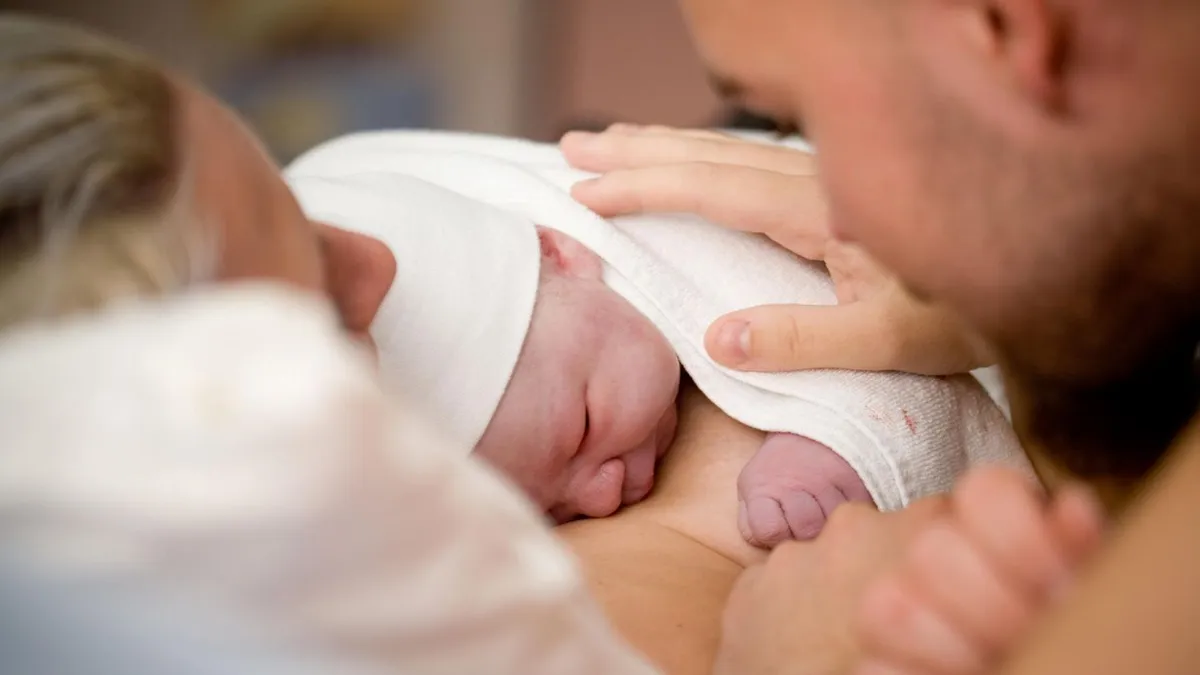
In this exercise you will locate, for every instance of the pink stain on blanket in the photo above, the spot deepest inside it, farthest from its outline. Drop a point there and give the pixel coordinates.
(908, 420)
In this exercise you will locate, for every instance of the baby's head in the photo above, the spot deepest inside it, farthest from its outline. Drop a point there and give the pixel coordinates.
(591, 404)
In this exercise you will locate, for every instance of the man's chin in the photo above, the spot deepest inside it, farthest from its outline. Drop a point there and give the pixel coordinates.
(1118, 427)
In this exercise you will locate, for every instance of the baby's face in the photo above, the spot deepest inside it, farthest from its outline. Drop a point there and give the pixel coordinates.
(591, 404)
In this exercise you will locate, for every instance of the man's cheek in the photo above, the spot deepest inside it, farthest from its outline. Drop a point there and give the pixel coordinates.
(861, 211)
(840, 193)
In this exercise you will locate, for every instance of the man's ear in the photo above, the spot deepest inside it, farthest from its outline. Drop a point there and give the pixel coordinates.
(1028, 40)
(568, 256)
(359, 271)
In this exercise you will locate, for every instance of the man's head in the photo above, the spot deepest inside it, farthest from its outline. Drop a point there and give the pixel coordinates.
(118, 179)
(1035, 164)
(591, 404)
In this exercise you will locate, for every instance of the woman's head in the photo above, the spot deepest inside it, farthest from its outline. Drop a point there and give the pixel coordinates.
(119, 179)
(89, 173)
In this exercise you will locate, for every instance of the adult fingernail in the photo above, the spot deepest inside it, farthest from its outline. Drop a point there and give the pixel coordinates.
(733, 342)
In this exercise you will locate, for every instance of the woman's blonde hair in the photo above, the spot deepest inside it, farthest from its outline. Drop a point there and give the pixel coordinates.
(91, 175)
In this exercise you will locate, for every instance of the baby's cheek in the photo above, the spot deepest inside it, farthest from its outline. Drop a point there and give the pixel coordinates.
(527, 464)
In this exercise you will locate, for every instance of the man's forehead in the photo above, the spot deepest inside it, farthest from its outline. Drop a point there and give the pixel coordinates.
(725, 29)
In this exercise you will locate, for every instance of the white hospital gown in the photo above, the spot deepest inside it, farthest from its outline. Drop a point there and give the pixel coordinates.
(232, 450)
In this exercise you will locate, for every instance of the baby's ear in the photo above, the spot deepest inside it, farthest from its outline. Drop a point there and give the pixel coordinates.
(568, 256)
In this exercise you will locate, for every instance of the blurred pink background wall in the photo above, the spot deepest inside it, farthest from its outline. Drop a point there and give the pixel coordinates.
(527, 67)
(627, 60)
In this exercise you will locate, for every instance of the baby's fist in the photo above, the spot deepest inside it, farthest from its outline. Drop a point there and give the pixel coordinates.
(789, 488)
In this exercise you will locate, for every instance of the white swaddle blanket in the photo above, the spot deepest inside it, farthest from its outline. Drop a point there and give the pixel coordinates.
(906, 436)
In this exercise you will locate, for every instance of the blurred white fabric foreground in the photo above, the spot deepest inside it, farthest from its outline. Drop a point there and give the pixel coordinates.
(232, 450)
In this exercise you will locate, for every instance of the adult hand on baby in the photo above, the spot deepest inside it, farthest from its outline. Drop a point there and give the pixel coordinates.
(772, 190)
(796, 613)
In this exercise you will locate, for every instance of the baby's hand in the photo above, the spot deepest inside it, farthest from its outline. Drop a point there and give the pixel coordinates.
(975, 580)
(790, 486)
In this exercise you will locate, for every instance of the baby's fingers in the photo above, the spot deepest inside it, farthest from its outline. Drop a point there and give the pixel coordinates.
(763, 523)
(807, 512)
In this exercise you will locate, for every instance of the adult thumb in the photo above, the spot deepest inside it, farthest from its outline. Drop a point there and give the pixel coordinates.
(775, 338)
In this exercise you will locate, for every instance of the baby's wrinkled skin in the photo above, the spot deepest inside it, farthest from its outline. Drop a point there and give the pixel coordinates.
(590, 409)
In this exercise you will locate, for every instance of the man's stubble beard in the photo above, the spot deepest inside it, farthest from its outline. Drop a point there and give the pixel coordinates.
(1098, 343)
(1102, 371)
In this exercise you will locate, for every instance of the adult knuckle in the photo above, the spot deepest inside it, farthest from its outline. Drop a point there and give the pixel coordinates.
(795, 340)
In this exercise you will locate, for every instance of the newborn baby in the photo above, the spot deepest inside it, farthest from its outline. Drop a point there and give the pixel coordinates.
(591, 407)
(549, 341)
